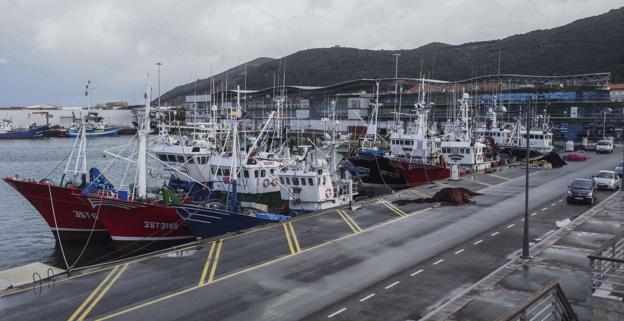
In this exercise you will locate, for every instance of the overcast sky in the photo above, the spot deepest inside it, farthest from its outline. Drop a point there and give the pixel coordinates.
(49, 49)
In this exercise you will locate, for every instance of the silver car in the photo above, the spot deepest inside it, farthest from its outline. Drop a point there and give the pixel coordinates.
(608, 180)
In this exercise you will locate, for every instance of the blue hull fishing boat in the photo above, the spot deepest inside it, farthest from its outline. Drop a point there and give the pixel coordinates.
(32, 132)
(97, 133)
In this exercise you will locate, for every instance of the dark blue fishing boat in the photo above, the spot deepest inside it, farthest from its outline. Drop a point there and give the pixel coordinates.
(8, 132)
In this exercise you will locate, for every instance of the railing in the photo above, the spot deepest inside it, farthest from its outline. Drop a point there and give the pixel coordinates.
(606, 267)
(549, 303)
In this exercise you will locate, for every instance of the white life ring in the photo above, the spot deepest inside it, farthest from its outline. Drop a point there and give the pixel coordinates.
(266, 182)
(328, 192)
(274, 182)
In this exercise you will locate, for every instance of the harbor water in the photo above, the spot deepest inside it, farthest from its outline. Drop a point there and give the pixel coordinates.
(24, 235)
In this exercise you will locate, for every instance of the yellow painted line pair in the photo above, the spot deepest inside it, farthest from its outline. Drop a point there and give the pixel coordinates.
(211, 263)
(482, 183)
(419, 193)
(501, 177)
(345, 217)
(92, 300)
(442, 184)
(291, 237)
(393, 208)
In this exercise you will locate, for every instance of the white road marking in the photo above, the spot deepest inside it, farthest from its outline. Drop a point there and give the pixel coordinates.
(457, 252)
(533, 214)
(495, 233)
(561, 200)
(393, 284)
(417, 272)
(545, 209)
(337, 313)
(438, 261)
(553, 204)
(522, 220)
(511, 225)
(477, 242)
(367, 297)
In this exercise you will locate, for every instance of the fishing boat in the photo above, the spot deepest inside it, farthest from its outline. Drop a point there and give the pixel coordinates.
(8, 131)
(67, 216)
(209, 219)
(95, 126)
(314, 181)
(414, 157)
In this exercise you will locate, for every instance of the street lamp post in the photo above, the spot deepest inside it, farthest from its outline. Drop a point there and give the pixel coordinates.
(525, 239)
(158, 64)
(396, 87)
(604, 121)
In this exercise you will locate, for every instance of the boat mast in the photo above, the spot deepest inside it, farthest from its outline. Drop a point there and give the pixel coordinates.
(143, 132)
(235, 151)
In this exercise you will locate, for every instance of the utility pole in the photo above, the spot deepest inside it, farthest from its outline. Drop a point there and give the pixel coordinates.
(525, 240)
(158, 64)
(396, 87)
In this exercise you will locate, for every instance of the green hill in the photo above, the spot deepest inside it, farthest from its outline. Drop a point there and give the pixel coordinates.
(594, 44)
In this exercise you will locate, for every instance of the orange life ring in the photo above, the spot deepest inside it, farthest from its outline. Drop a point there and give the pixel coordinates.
(274, 182)
(328, 193)
(266, 182)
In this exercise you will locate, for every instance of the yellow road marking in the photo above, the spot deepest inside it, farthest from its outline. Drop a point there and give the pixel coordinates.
(102, 293)
(393, 208)
(419, 193)
(442, 184)
(207, 265)
(501, 177)
(239, 272)
(352, 221)
(294, 237)
(215, 262)
(290, 245)
(345, 217)
(482, 183)
(88, 299)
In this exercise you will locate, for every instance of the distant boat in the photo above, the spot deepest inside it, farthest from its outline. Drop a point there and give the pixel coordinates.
(7, 131)
(97, 133)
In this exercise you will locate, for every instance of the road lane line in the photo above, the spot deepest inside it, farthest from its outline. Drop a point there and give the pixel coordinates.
(477, 242)
(357, 227)
(97, 289)
(417, 272)
(482, 183)
(344, 218)
(290, 245)
(391, 285)
(103, 292)
(419, 193)
(215, 262)
(561, 200)
(545, 209)
(442, 184)
(294, 237)
(553, 204)
(438, 261)
(367, 297)
(522, 220)
(495, 233)
(336, 313)
(392, 207)
(533, 214)
(207, 265)
(458, 251)
(501, 177)
(511, 225)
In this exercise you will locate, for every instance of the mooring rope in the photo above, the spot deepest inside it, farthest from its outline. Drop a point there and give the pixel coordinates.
(58, 233)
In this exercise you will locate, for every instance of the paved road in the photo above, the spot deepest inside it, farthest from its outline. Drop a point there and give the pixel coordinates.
(376, 274)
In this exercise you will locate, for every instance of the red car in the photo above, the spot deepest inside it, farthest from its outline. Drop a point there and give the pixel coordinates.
(577, 156)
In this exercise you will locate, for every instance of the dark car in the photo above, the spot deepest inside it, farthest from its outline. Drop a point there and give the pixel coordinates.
(582, 190)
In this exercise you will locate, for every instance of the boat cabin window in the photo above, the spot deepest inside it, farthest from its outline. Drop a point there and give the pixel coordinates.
(219, 172)
(287, 181)
(324, 182)
(262, 173)
(162, 157)
(191, 159)
(226, 172)
(272, 171)
(246, 173)
(311, 181)
(282, 180)
(295, 181)
(318, 181)
(180, 159)
(256, 173)
(303, 181)
(203, 160)
(171, 158)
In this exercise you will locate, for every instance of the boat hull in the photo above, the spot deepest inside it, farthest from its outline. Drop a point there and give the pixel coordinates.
(206, 223)
(105, 133)
(75, 220)
(36, 132)
(140, 227)
(398, 172)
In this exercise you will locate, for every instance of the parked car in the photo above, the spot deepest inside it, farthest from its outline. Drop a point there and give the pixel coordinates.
(618, 169)
(604, 146)
(607, 180)
(582, 190)
(577, 156)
